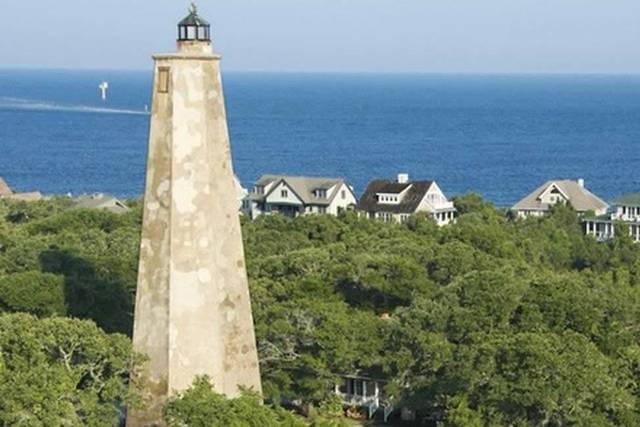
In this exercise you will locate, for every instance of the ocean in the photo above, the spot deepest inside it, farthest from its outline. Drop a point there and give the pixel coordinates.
(499, 136)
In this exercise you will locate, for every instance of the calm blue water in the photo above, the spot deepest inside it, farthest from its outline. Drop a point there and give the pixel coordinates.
(500, 136)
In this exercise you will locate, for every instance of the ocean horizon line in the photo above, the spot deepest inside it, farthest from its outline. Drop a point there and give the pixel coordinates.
(344, 72)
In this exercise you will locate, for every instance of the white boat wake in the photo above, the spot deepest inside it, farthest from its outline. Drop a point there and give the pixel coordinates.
(35, 105)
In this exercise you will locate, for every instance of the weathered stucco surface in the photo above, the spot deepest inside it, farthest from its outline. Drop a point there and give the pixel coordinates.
(193, 311)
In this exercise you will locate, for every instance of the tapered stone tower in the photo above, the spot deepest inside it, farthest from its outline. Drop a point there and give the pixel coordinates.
(193, 311)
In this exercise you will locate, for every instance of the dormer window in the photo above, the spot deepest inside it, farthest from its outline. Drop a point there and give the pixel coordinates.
(389, 199)
(258, 189)
(320, 193)
(284, 193)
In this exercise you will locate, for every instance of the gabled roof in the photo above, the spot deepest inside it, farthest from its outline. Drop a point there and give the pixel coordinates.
(303, 187)
(101, 201)
(5, 190)
(389, 187)
(408, 204)
(579, 197)
(632, 199)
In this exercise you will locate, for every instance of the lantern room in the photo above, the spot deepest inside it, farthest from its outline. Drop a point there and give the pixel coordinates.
(193, 27)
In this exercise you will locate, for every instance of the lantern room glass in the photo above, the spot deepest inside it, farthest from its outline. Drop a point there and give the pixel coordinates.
(194, 32)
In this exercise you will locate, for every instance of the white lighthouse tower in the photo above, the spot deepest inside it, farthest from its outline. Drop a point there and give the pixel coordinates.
(193, 311)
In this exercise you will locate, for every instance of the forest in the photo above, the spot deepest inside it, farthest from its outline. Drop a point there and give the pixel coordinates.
(490, 321)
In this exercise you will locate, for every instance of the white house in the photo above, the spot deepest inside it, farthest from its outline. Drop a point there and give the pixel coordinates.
(364, 392)
(398, 200)
(299, 195)
(627, 208)
(573, 193)
(626, 212)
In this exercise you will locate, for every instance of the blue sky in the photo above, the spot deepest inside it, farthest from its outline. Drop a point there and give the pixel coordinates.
(466, 36)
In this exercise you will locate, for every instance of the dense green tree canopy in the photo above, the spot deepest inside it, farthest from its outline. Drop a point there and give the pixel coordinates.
(62, 372)
(491, 321)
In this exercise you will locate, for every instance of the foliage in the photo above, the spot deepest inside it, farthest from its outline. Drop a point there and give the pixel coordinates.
(33, 292)
(489, 321)
(56, 372)
(201, 406)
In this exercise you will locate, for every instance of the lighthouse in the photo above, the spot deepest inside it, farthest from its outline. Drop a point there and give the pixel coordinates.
(193, 310)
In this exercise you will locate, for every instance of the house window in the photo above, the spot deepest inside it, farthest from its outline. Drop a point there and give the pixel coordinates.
(359, 389)
(321, 194)
(344, 194)
(163, 80)
(322, 209)
(284, 193)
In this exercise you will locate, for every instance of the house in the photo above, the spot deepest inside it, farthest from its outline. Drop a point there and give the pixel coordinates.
(364, 392)
(626, 212)
(299, 195)
(4, 188)
(398, 200)
(7, 193)
(101, 201)
(570, 192)
(627, 208)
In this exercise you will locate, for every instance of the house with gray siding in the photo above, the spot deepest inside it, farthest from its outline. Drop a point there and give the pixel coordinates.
(299, 195)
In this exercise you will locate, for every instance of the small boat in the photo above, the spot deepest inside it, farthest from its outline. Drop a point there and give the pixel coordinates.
(104, 87)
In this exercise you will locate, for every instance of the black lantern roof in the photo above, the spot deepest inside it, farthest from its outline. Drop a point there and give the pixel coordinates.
(193, 27)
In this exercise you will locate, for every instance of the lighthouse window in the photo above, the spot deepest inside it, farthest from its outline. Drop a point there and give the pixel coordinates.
(163, 80)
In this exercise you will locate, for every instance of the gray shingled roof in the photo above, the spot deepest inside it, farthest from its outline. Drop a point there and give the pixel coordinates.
(579, 197)
(410, 202)
(632, 199)
(101, 201)
(303, 187)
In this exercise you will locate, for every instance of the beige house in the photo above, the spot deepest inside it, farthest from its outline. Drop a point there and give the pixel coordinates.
(398, 200)
(626, 212)
(101, 201)
(574, 193)
(4, 188)
(7, 193)
(299, 195)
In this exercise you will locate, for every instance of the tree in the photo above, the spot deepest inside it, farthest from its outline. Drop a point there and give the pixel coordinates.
(56, 372)
(201, 406)
(33, 292)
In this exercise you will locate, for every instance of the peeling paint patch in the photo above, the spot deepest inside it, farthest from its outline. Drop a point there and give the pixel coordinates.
(185, 195)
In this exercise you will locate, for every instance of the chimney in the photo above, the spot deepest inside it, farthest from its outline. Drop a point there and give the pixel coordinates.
(581, 183)
(403, 178)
